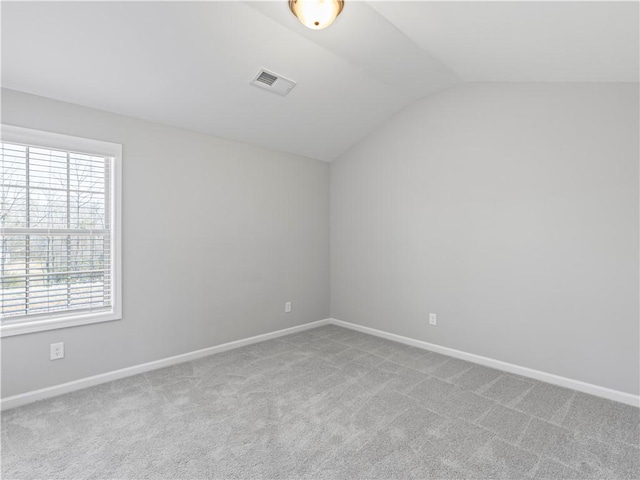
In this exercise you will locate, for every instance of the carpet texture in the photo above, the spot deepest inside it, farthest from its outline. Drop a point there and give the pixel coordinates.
(328, 403)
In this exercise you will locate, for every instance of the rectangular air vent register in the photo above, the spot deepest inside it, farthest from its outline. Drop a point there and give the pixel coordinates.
(273, 82)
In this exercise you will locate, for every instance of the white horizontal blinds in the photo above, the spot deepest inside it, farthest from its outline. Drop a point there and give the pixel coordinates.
(55, 232)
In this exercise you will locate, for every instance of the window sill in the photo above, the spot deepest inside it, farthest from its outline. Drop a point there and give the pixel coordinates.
(54, 323)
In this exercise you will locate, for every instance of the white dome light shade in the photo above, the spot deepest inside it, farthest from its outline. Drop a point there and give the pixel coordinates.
(316, 14)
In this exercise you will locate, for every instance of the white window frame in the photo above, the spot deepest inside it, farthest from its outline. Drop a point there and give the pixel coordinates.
(38, 138)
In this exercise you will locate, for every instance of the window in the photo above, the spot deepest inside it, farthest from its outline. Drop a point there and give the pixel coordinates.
(59, 231)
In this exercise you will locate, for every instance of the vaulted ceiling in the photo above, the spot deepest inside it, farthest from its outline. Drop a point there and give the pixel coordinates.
(189, 64)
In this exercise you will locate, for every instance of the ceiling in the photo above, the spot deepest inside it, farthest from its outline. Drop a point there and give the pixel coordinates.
(189, 64)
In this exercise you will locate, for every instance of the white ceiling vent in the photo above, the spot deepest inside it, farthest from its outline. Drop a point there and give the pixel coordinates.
(273, 82)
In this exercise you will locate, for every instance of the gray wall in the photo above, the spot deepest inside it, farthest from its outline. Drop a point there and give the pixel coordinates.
(511, 211)
(217, 235)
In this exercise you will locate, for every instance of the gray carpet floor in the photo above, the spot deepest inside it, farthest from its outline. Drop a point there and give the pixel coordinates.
(327, 403)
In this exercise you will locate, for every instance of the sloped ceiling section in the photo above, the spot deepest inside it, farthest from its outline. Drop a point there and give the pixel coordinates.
(189, 64)
(526, 41)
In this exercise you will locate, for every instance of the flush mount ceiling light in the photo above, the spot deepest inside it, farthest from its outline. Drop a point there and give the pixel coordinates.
(316, 14)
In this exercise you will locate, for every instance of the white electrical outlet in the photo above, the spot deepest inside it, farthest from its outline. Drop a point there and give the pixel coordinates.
(433, 319)
(57, 351)
(287, 307)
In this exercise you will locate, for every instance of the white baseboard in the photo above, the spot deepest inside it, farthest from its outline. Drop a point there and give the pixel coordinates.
(578, 385)
(35, 395)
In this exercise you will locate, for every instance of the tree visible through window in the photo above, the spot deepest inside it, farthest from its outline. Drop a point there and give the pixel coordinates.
(55, 232)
